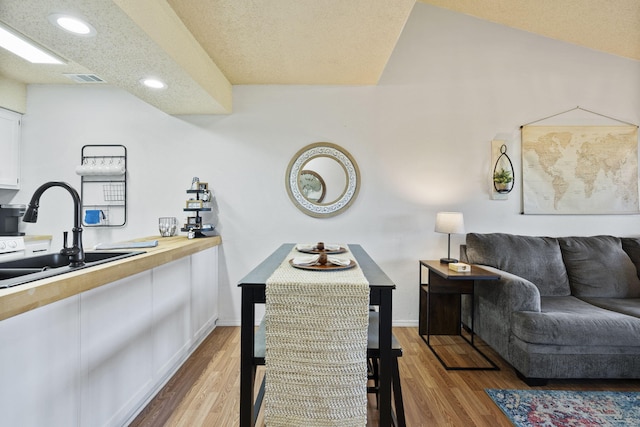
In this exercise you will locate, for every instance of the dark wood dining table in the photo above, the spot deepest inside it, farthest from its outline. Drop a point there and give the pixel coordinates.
(253, 292)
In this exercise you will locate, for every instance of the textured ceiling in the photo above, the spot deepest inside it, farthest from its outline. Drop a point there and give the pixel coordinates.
(611, 26)
(202, 47)
(297, 41)
(125, 50)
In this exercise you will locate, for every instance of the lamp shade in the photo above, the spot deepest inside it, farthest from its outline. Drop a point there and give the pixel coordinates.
(449, 223)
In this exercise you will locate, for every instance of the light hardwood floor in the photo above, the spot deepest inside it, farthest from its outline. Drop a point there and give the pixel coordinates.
(205, 391)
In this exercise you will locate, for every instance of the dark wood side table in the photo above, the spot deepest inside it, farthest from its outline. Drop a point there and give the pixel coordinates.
(440, 305)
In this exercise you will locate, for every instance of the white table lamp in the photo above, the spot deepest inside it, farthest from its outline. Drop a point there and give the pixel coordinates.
(449, 223)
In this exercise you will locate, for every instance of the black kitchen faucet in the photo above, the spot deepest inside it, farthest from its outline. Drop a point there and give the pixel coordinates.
(75, 252)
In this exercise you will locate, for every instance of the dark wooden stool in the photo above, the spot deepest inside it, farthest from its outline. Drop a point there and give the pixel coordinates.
(373, 355)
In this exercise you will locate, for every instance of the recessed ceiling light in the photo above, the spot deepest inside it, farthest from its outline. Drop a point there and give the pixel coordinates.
(72, 24)
(25, 48)
(153, 83)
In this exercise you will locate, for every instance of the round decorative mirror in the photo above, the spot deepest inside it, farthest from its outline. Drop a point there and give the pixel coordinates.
(322, 179)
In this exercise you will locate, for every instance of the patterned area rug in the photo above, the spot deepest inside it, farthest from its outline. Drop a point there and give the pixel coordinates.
(568, 408)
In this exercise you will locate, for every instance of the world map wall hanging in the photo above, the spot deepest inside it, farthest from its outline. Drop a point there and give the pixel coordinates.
(580, 169)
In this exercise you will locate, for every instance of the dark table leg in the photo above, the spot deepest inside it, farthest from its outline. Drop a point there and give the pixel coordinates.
(247, 373)
(385, 356)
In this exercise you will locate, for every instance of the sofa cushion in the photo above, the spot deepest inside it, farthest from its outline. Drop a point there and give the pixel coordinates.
(598, 267)
(571, 321)
(631, 245)
(537, 259)
(628, 306)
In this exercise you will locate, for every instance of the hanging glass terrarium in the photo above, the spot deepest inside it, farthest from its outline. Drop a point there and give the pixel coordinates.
(503, 172)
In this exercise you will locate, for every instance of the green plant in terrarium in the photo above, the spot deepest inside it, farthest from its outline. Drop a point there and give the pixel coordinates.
(502, 180)
(502, 176)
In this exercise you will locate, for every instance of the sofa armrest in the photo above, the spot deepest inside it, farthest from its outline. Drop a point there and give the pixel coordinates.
(512, 292)
(495, 301)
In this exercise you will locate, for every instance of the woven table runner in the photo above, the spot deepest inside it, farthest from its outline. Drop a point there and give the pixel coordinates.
(316, 347)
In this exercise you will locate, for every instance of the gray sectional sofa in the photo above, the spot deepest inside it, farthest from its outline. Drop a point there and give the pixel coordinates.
(566, 307)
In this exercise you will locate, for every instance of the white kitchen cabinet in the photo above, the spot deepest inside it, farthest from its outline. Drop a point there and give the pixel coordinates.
(116, 349)
(10, 149)
(171, 314)
(204, 271)
(39, 360)
(96, 359)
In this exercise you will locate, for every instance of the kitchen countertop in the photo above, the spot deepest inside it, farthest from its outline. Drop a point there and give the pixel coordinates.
(22, 298)
(36, 238)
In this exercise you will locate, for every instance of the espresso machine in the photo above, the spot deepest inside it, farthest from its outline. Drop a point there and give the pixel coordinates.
(10, 216)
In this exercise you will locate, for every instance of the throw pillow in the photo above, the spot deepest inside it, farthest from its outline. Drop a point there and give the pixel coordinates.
(599, 267)
(537, 259)
(631, 245)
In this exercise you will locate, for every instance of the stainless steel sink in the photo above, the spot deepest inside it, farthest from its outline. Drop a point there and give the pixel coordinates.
(25, 270)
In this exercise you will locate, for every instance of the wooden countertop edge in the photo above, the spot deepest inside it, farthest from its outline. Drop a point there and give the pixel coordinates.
(36, 237)
(22, 298)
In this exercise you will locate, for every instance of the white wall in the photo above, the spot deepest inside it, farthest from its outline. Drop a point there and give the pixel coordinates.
(421, 139)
